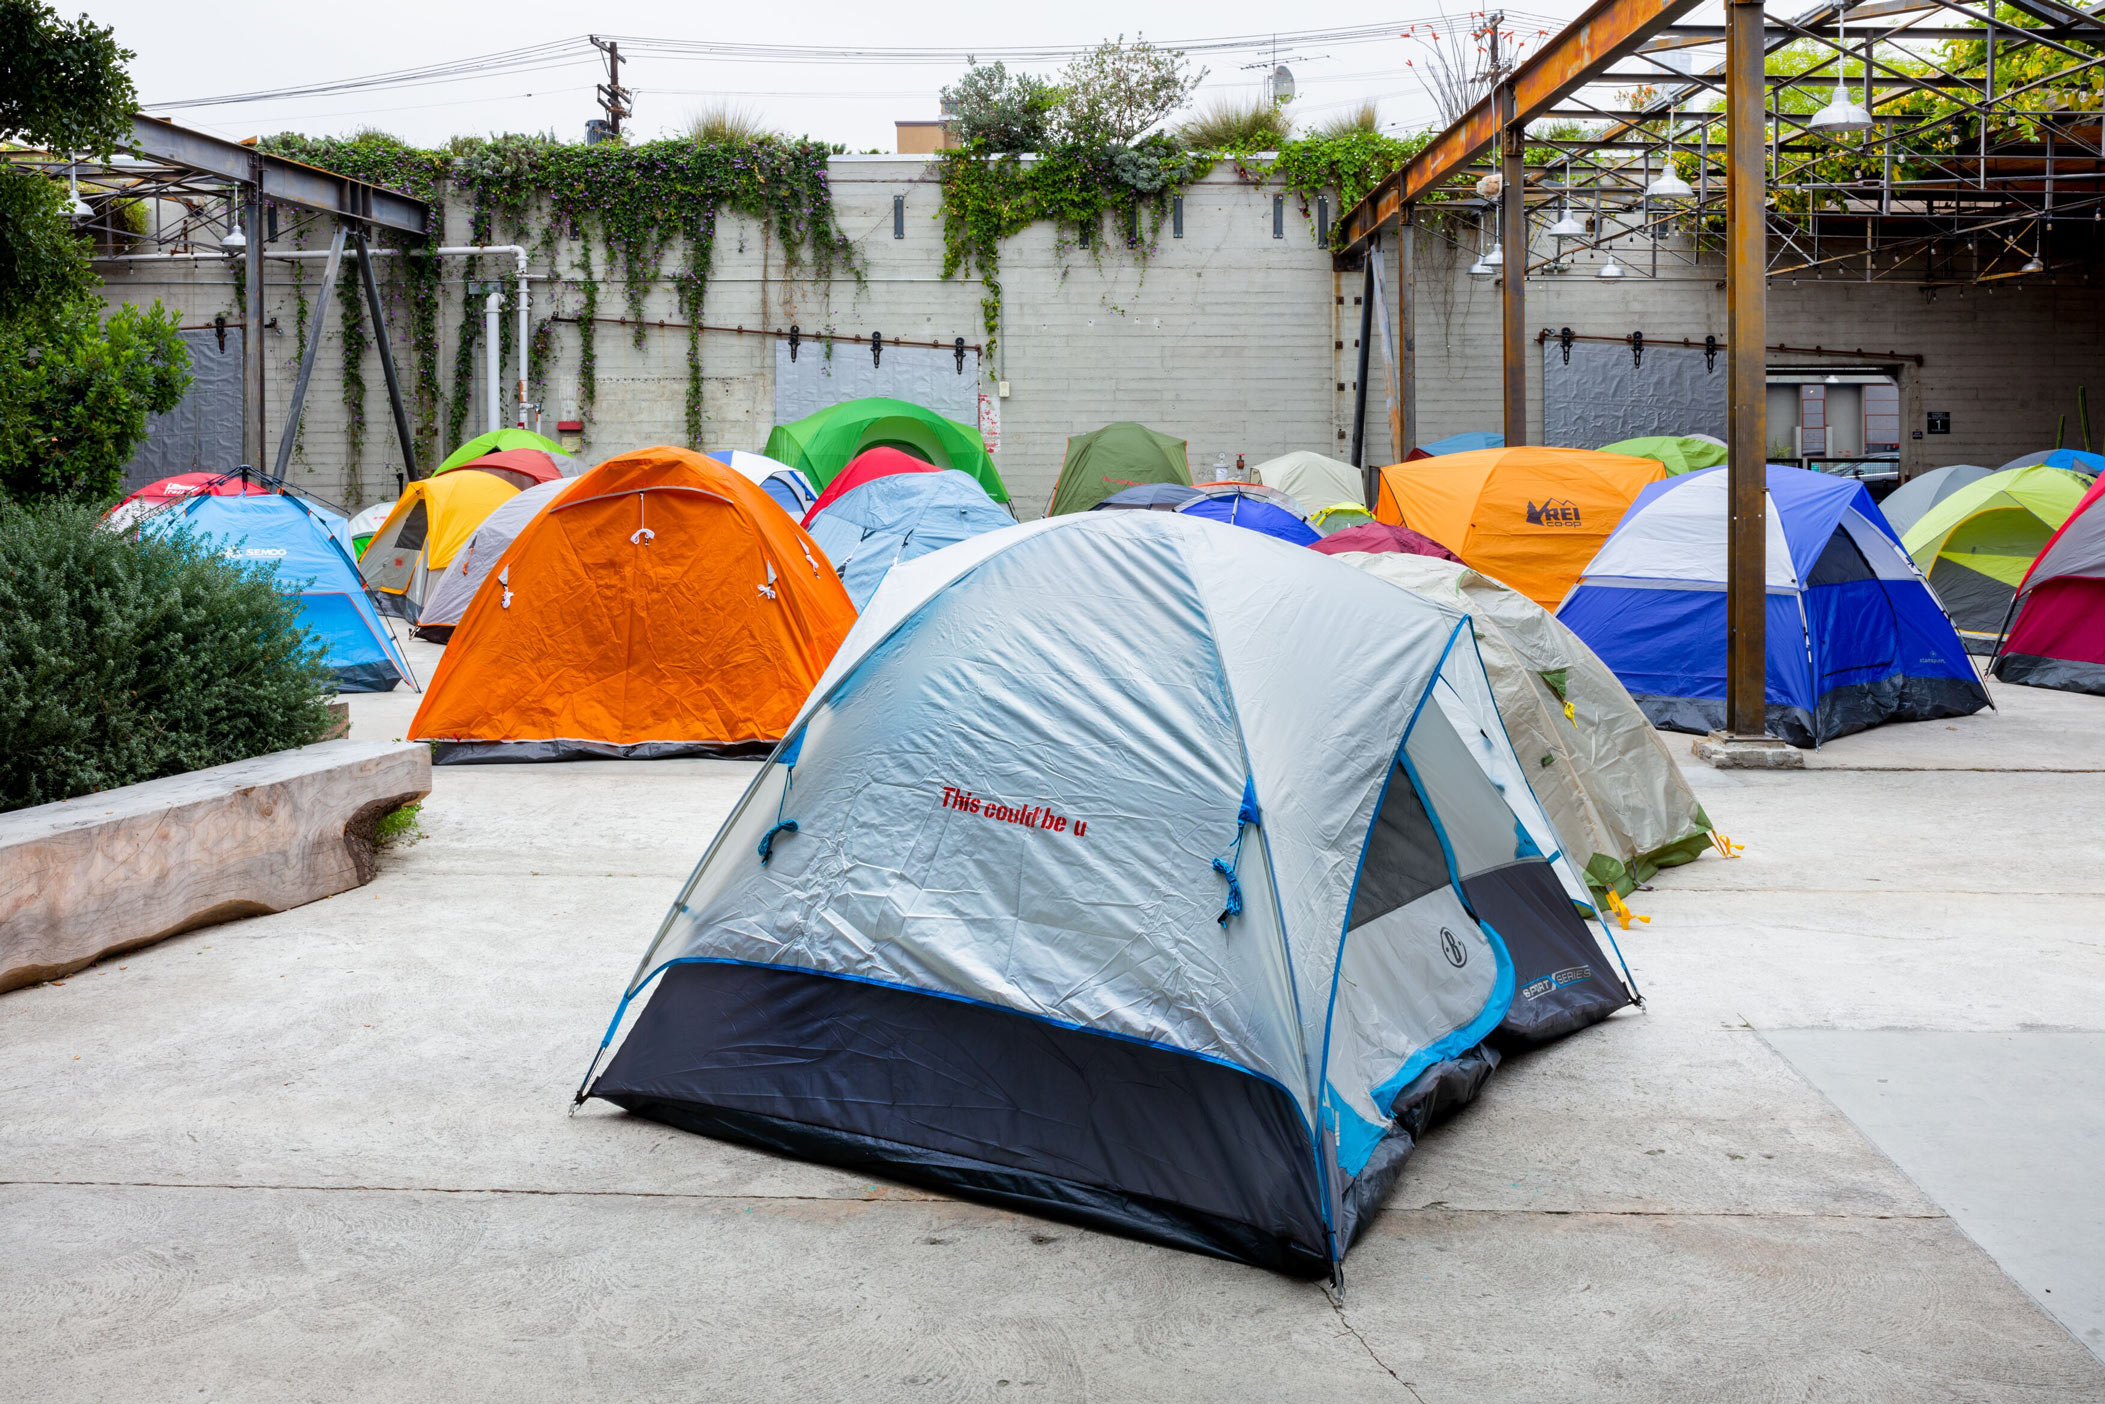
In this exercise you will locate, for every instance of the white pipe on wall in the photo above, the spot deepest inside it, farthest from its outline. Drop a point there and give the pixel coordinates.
(490, 305)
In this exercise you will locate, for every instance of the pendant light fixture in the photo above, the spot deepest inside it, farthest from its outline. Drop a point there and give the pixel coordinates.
(1669, 186)
(1843, 114)
(1566, 227)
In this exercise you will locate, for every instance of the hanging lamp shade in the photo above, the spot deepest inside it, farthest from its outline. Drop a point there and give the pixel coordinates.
(1669, 186)
(1490, 265)
(1567, 227)
(1843, 114)
(1610, 269)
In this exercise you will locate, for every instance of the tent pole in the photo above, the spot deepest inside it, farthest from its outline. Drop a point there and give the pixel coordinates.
(1746, 340)
(1366, 334)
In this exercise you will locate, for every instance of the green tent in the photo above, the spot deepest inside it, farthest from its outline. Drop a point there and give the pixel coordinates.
(1976, 545)
(821, 444)
(496, 442)
(1112, 459)
(1676, 453)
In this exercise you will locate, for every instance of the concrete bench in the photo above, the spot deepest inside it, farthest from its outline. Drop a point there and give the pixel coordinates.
(88, 877)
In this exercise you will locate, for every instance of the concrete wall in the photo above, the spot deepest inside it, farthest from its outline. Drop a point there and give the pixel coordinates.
(1241, 342)
(2005, 360)
(1227, 336)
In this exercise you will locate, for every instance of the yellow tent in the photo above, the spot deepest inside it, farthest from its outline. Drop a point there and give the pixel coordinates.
(1530, 518)
(434, 519)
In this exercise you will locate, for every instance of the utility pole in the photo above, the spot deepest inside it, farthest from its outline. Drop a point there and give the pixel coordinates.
(613, 98)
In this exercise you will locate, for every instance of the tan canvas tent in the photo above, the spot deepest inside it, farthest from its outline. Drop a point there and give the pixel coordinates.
(1312, 478)
(1607, 780)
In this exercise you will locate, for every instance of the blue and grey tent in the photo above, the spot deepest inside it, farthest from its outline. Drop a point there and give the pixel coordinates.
(1126, 870)
(308, 548)
(1468, 442)
(1149, 497)
(1854, 636)
(1252, 513)
(867, 531)
(788, 486)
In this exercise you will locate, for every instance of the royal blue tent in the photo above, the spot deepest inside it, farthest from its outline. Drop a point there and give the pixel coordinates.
(899, 517)
(1462, 443)
(1148, 497)
(1253, 514)
(2075, 460)
(307, 548)
(1854, 636)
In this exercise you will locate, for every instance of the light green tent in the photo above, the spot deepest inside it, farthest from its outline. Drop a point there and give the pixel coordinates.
(1976, 545)
(821, 444)
(1312, 478)
(1338, 516)
(1112, 459)
(1610, 785)
(496, 442)
(1677, 453)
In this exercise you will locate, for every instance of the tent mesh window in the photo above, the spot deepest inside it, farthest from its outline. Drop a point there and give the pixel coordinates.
(1403, 860)
(414, 527)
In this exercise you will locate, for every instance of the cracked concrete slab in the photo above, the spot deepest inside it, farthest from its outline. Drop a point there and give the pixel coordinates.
(327, 1153)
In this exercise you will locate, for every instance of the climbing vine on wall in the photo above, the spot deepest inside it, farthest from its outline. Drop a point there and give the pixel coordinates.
(633, 202)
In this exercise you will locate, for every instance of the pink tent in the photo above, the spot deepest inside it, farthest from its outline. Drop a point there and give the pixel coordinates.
(2057, 638)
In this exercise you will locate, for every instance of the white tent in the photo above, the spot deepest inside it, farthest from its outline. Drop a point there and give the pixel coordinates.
(792, 491)
(1127, 867)
(1313, 479)
(455, 588)
(368, 521)
(1609, 783)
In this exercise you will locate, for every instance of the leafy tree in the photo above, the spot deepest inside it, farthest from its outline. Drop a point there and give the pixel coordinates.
(124, 660)
(75, 392)
(43, 263)
(1117, 91)
(62, 86)
(999, 111)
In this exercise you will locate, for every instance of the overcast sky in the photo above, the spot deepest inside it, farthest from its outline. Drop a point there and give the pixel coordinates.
(236, 46)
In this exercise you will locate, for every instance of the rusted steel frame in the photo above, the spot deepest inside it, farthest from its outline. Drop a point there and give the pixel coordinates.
(1513, 238)
(1403, 420)
(1608, 30)
(1746, 334)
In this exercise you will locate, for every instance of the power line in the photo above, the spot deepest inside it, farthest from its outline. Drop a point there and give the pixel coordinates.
(577, 49)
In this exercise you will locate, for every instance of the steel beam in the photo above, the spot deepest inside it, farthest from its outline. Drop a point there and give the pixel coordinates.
(254, 433)
(1606, 32)
(387, 359)
(285, 182)
(1403, 417)
(1747, 383)
(1513, 239)
(312, 353)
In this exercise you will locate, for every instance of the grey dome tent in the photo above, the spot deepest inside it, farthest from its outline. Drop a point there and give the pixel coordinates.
(1128, 868)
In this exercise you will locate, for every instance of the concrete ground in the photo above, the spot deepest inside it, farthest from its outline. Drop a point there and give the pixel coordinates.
(327, 1154)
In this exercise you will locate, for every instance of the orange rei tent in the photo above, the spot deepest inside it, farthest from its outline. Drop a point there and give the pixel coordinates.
(663, 605)
(1530, 518)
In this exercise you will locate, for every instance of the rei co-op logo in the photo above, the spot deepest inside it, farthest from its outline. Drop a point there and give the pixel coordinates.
(1451, 946)
(1554, 511)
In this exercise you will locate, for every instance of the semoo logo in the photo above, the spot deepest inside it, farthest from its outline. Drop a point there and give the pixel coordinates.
(1555, 511)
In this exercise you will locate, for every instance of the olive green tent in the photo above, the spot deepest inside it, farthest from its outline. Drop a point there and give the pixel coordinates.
(1112, 459)
(1976, 545)
(1675, 452)
(821, 444)
(496, 441)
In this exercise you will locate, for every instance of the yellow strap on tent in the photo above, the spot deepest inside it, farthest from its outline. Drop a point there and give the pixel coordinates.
(1725, 846)
(1622, 911)
(1571, 714)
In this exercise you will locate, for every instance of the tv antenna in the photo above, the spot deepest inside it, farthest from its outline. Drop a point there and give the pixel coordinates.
(1278, 78)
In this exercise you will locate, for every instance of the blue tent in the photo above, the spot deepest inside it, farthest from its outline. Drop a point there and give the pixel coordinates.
(2075, 460)
(1253, 514)
(1463, 443)
(1854, 636)
(867, 531)
(309, 550)
(1148, 497)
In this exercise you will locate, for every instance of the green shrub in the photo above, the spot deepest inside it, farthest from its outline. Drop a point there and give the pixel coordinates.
(123, 660)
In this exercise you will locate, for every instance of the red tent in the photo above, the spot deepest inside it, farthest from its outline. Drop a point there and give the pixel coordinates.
(869, 464)
(2057, 638)
(156, 495)
(1380, 536)
(522, 467)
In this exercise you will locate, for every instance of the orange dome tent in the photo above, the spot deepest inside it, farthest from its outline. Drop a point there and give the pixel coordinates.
(663, 605)
(1530, 518)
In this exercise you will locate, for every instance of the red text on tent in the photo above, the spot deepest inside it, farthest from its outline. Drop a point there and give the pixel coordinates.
(1034, 816)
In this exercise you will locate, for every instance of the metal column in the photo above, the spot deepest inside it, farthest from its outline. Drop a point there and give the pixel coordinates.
(387, 360)
(1403, 421)
(1746, 299)
(291, 431)
(1366, 337)
(1513, 235)
(253, 434)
